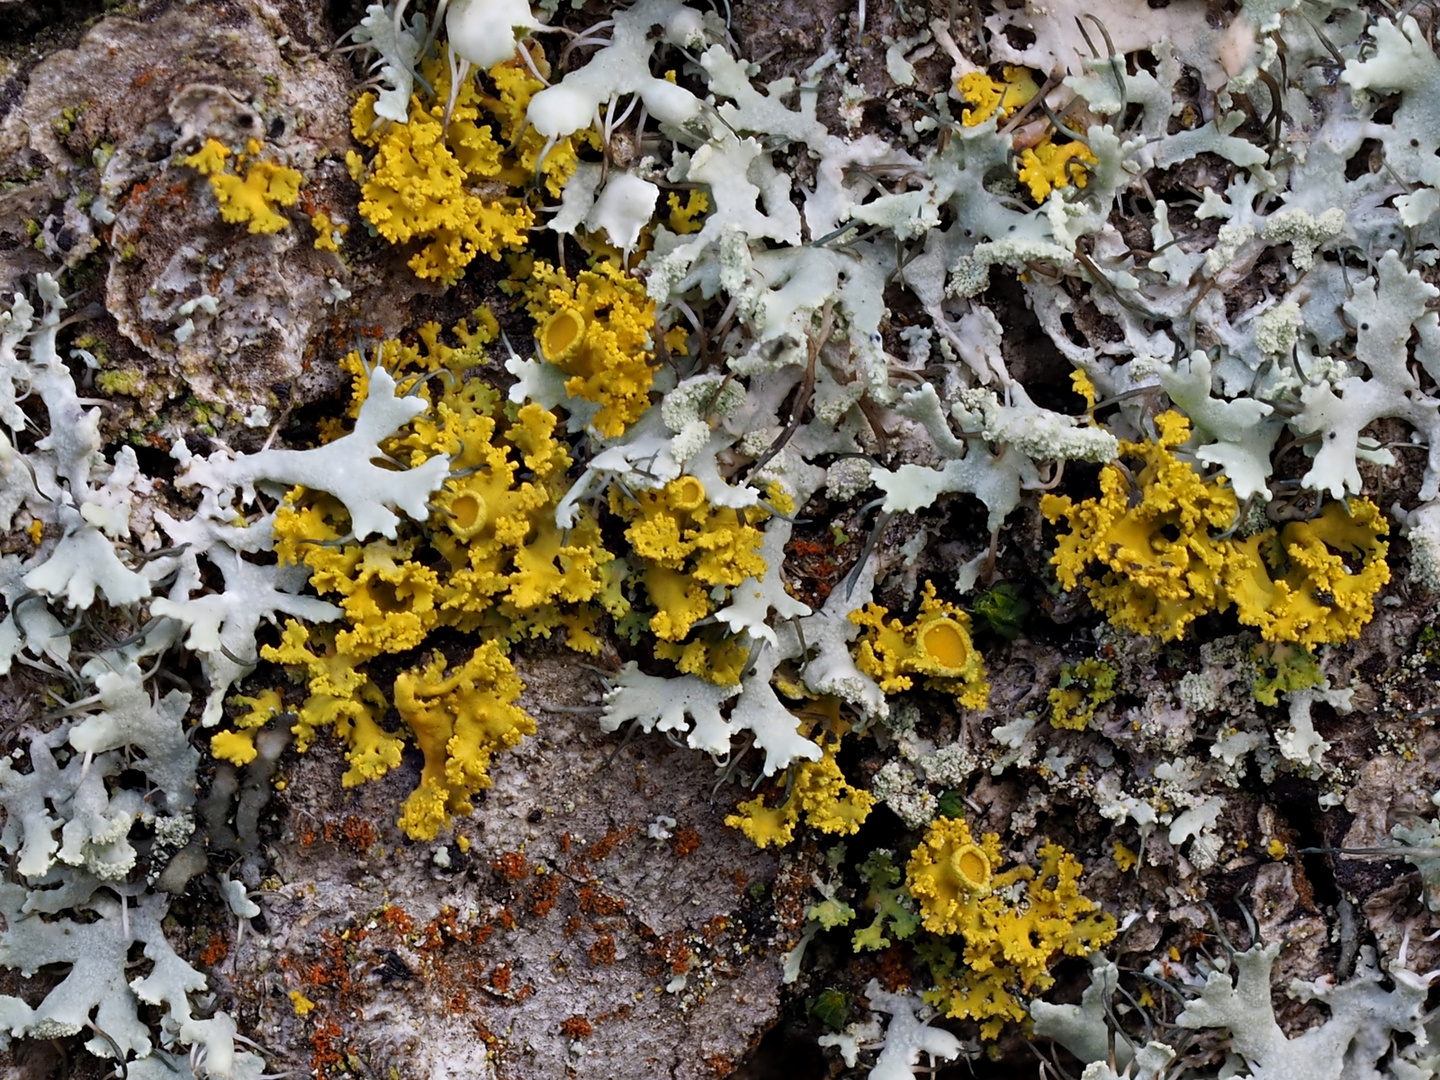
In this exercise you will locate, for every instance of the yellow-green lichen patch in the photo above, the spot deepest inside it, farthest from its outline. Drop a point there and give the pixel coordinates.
(936, 646)
(457, 188)
(999, 931)
(254, 191)
(1163, 535)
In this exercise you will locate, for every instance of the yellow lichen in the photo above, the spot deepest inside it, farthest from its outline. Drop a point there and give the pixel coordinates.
(1050, 165)
(341, 698)
(687, 549)
(985, 96)
(818, 793)
(1125, 859)
(1014, 924)
(254, 196)
(505, 552)
(1083, 688)
(684, 217)
(1281, 667)
(596, 328)
(459, 720)
(936, 646)
(238, 746)
(1161, 533)
(210, 159)
(1046, 165)
(1165, 567)
(458, 187)
(417, 189)
(327, 233)
(1080, 382)
(507, 565)
(355, 165)
(712, 654)
(1315, 581)
(490, 560)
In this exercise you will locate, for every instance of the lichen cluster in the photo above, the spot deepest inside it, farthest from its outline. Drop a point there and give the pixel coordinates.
(1168, 541)
(429, 177)
(504, 568)
(1008, 938)
(759, 453)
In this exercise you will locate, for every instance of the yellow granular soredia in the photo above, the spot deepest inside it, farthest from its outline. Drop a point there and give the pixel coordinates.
(1083, 688)
(1159, 535)
(1012, 925)
(1050, 165)
(459, 719)
(302, 1005)
(985, 96)
(936, 646)
(596, 328)
(254, 196)
(818, 793)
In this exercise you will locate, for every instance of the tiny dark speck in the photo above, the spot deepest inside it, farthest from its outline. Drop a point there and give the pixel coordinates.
(65, 239)
(198, 443)
(534, 816)
(1364, 326)
(393, 968)
(277, 127)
